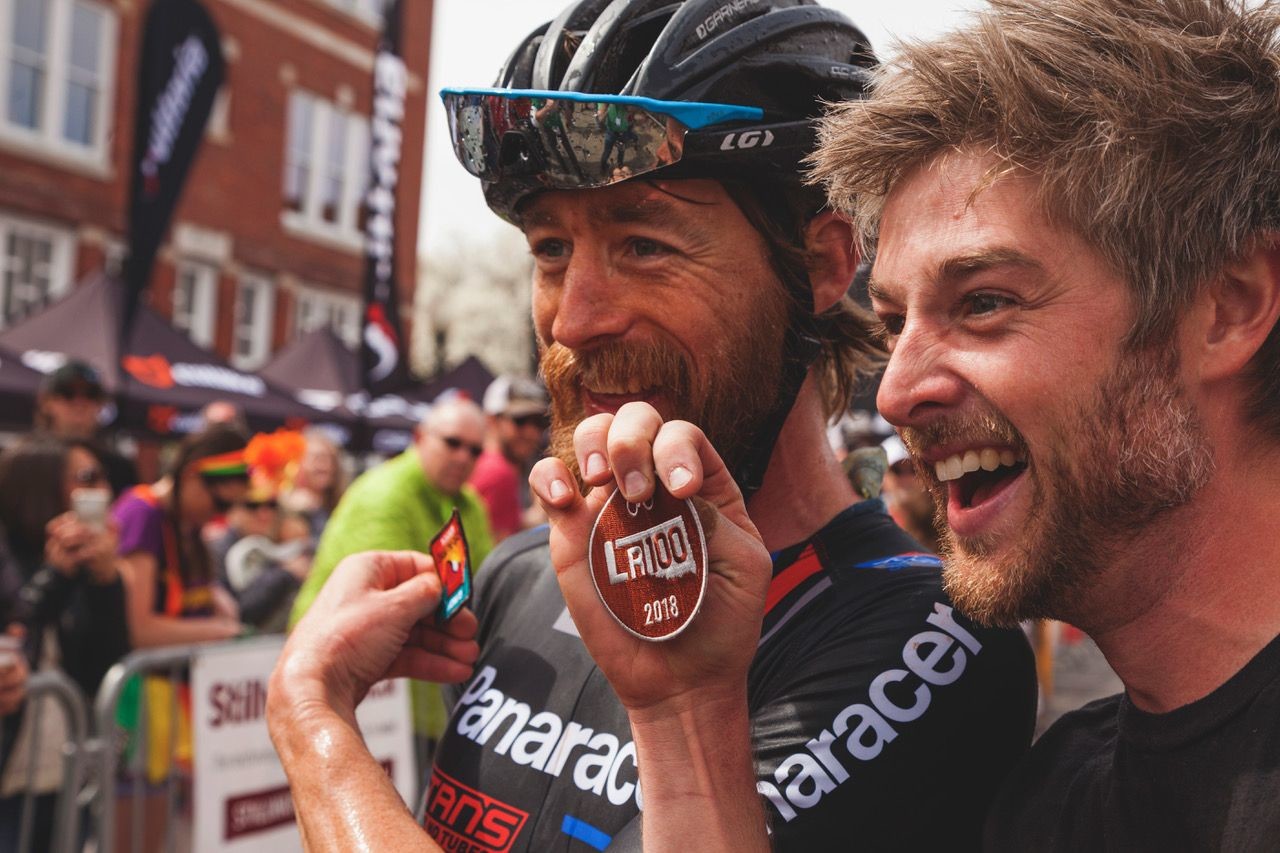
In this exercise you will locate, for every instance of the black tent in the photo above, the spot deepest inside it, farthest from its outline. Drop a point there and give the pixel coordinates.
(18, 387)
(320, 371)
(161, 380)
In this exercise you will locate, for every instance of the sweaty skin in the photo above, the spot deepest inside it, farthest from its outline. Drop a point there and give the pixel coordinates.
(686, 698)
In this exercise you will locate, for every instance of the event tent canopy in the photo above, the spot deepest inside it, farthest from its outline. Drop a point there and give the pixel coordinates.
(160, 380)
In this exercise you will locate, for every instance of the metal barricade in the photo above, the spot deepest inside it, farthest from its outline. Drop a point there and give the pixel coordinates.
(54, 685)
(171, 663)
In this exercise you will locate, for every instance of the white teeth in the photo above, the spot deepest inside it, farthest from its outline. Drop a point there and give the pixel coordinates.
(988, 459)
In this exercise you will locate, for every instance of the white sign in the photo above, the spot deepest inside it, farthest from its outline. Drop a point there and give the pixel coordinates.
(242, 801)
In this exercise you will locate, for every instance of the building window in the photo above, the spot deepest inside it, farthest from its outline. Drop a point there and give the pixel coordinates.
(35, 268)
(55, 74)
(369, 11)
(254, 315)
(326, 168)
(195, 301)
(318, 308)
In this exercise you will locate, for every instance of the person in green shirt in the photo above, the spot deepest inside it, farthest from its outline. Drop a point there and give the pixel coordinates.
(400, 505)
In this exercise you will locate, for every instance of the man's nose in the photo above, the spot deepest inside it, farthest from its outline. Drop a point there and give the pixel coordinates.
(590, 302)
(919, 382)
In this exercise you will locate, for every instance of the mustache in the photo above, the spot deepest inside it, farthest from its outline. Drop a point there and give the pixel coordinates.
(616, 367)
(984, 426)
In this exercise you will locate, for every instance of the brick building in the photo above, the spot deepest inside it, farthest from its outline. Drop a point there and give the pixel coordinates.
(266, 240)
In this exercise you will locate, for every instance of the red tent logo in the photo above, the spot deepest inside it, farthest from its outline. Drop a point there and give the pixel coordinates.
(150, 370)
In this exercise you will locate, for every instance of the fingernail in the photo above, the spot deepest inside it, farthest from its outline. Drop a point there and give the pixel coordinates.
(633, 484)
(679, 477)
(558, 489)
(595, 465)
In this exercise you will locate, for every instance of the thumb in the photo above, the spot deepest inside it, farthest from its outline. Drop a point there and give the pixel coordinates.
(418, 596)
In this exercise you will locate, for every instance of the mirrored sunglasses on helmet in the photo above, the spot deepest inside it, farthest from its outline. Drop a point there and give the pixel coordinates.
(573, 140)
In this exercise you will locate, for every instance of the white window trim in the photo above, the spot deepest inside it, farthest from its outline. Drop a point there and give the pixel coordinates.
(264, 316)
(364, 11)
(47, 143)
(204, 310)
(309, 223)
(324, 302)
(61, 256)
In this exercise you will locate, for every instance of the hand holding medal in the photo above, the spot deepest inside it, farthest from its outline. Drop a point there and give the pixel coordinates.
(662, 570)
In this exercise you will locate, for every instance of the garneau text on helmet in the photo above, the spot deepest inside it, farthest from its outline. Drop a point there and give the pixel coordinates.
(719, 16)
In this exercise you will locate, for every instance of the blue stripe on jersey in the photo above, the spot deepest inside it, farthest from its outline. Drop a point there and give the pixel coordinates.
(902, 561)
(584, 832)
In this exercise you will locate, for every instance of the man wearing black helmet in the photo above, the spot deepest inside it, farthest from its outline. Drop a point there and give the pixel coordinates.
(690, 310)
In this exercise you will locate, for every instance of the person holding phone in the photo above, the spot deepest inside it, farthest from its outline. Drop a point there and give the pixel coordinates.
(63, 595)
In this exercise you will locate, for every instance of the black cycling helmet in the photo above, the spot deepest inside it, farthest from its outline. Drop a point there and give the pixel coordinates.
(786, 57)
(755, 75)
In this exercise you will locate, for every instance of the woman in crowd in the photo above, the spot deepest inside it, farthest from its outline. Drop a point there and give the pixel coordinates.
(173, 597)
(319, 482)
(61, 583)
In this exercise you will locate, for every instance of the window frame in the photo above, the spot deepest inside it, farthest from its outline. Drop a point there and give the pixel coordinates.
(258, 335)
(307, 217)
(340, 312)
(61, 258)
(48, 141)
(200, 321)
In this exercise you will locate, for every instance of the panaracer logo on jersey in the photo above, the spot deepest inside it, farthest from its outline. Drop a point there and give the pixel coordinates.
(861, 731)
(156, 371)
(597, 761)
(460, 818)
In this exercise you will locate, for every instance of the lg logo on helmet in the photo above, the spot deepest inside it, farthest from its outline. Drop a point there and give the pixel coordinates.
(746, 139)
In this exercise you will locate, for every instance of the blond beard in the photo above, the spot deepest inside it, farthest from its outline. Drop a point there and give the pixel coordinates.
(1140, 452)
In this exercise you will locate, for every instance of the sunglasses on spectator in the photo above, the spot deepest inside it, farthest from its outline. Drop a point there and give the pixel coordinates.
(80, 392)
(89, 477)
(455, 443)
(525, 420)
(267, 504)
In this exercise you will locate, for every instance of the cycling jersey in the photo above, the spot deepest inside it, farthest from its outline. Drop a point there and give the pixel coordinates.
(881, 717)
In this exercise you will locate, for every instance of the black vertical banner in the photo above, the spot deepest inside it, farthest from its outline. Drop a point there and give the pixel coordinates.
(179, 72)
(382, 362)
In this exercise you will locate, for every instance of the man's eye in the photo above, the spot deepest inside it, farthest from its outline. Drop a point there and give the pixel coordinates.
(987, 303)
(549, 249)
(891, 325)
(646, 248)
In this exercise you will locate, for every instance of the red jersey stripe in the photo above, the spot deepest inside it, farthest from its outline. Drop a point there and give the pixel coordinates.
(804, 567)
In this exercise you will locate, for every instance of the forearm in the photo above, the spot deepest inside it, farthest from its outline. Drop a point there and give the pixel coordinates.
(698, 778)
(342, 797)
(152, 630)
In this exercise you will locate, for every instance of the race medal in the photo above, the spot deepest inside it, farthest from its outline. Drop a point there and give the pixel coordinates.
(453, 565)
(649, 563)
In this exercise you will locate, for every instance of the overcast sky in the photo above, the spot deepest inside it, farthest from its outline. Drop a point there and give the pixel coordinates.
(472, 38)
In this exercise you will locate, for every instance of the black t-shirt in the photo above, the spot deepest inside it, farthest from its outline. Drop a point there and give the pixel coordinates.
(881, 718)
(1111, 777)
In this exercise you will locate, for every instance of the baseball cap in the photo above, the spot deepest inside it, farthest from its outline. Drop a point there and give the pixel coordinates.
(74, 377)
(514, 397)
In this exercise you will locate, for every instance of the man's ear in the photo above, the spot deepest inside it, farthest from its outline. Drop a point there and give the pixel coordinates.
(832, 258)
(1243, 309)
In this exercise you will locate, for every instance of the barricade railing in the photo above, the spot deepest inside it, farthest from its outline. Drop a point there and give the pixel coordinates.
(128, 755)
(54, 685)
(172, 663)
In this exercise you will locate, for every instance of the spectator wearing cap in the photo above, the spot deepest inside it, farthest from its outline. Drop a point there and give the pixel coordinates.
(69, 406)
(516, 411)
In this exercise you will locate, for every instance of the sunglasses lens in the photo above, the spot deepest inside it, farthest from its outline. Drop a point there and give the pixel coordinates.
(455, 443)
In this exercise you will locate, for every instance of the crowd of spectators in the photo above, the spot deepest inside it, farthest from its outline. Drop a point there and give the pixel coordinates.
(95, 564)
